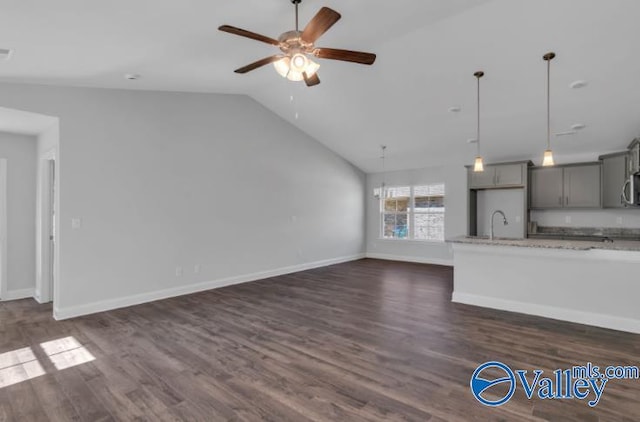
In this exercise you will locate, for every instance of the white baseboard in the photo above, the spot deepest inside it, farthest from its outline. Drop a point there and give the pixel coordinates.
(416, 259)
(122, 302)
(571, 315)
(18, 294)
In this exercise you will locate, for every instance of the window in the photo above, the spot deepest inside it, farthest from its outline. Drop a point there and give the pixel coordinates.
(413, 213)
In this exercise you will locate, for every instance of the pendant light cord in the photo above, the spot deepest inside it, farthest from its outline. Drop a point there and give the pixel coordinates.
(382, 193)
(479, 74)
(297, 27)
(549, 104)
(478, 132)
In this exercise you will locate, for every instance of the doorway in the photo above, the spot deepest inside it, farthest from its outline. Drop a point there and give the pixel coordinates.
(3, 229)
(47, 232)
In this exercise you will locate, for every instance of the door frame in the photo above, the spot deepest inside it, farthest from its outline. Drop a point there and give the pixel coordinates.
(3, 228)
(45, 269)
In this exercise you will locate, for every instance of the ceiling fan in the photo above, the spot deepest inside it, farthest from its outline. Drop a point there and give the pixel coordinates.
(297, 47)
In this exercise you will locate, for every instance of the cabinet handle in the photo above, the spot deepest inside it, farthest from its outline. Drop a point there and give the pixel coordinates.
(566, 200)
(559, 200)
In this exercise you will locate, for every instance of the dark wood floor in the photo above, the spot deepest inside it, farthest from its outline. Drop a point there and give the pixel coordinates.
(363, 341)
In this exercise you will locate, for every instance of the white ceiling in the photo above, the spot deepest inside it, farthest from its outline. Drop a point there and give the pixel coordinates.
(427, 52)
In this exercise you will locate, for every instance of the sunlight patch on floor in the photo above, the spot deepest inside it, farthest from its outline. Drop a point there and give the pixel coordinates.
(66, 352)
(22, 364)
(19, 365)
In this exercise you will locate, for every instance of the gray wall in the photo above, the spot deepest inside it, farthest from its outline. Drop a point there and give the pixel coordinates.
(20, 153)
(509, 201)
(455, 180)
(161, 180)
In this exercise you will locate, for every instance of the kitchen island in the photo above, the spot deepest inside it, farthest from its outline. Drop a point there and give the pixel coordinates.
(593, 283)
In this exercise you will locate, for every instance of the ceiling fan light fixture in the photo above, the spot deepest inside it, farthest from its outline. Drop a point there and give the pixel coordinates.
(299, 62)
(282, 66)
(312, 67)
(298, 48)
(288, 68)
(294, 76)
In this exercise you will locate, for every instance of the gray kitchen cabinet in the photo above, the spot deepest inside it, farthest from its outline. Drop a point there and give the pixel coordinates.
(546, 187)
(482, 179)
(614, 174)
(498, 176)
(573, 186)
(510, 174)
(582, 186)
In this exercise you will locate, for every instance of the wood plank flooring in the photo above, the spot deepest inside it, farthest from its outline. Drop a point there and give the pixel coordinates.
(363, 341)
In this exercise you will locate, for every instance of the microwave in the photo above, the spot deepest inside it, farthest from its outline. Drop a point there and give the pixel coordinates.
(633, 162)
(631, 190)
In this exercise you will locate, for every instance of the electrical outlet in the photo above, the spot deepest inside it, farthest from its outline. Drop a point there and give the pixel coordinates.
(518, 218)
(567, 219)
(76, 223)
(196, 269)
(619, 221)
(179, 271)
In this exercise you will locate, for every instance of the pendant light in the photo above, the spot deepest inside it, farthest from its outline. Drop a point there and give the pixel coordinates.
(478, 166)
(548, 154)
(383, 187)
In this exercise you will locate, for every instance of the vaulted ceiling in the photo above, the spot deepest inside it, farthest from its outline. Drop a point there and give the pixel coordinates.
(427, 52)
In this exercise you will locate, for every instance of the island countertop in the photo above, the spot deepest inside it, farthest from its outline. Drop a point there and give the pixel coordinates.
(578, 245)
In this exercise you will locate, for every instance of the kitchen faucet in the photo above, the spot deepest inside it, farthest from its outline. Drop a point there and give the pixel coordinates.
(504, 221)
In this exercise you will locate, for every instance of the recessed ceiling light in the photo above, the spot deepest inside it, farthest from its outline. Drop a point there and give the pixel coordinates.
(5, 53)
(472, 141)
(578, 126)
(132, 76)
(578, 84)
(454, 109)
(567, 133)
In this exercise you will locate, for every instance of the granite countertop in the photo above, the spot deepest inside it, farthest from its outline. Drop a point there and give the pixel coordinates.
(578, 245)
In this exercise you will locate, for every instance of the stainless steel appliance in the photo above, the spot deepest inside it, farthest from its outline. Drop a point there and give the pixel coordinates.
(633, 163)
(631, 190)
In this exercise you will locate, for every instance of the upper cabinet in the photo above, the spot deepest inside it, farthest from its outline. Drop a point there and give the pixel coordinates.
(573, 186)
(498, 176)
(614, 174)
(582, 186)
(546, 187)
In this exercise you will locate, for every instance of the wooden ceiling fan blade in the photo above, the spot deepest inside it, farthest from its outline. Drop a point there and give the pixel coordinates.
(321, 22)
(312, 80)
(259, 63)
(248, 34)
(345, 55)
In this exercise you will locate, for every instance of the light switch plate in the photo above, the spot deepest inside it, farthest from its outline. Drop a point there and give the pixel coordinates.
(76, 223)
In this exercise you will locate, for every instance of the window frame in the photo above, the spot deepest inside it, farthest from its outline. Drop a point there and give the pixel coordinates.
(411, 213)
